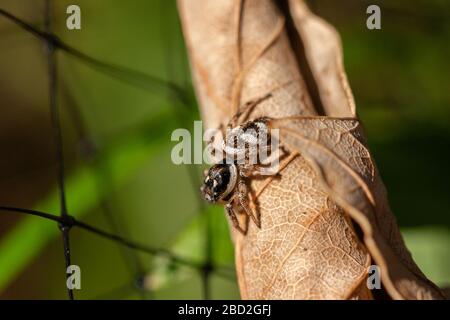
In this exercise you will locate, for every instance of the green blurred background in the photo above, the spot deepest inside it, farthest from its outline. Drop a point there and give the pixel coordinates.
(399, 76)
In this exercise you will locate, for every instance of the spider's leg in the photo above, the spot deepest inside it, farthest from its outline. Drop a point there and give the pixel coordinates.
(242, 115)
(248, 170)
(251, 105)
(222, 129)
(264, 166)
(234, 220)
(245, 170)
(282, 165)
(243, 200)
(251, 170)
(269, 165)
(215, 144)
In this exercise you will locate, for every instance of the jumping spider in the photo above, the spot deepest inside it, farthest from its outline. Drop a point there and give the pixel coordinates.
(227, 181)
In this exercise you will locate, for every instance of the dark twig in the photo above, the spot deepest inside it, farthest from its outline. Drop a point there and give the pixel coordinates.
(124, 74)
(57, 132)
(89, 153)
(70, 221)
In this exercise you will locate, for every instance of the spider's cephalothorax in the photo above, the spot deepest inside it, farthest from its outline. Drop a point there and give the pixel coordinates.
(219, 182)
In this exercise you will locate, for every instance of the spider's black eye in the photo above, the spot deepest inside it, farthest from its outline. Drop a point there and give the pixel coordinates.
(216, 182)
(221, 180)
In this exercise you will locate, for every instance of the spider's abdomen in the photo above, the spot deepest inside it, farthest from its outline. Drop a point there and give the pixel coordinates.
(243, 143)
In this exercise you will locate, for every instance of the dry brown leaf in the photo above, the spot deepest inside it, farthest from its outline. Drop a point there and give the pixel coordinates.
(307, 247)
(333, 147)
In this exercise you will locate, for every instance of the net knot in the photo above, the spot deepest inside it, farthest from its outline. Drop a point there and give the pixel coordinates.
(139, 282)
(52, 39)
(66, 222)
(207, 267)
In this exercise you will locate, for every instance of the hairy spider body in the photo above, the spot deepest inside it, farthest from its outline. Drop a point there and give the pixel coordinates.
(249, 150)
(227, 181)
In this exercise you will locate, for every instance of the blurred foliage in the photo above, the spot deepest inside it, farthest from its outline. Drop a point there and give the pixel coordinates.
(399, 76)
